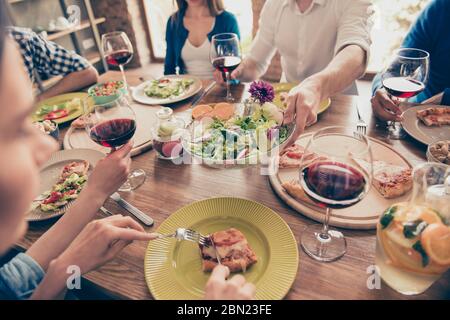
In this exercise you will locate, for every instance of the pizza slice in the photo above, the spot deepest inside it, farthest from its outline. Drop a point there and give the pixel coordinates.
(293, 156)
(295, 190)
(79, 167)
(232, 248)
(391, 181)
(434, 116)
(71, 181)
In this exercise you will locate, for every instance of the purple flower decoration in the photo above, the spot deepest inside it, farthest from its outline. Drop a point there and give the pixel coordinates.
(262, 91)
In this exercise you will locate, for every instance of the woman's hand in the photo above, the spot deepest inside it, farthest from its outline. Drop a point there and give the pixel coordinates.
(303, 104)
(101, 240)
(110, 172)
(219, 288)
(384, 108)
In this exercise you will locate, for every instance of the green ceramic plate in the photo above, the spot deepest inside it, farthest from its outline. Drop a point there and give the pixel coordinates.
(173, 269)
(59, 100)
(286, 87)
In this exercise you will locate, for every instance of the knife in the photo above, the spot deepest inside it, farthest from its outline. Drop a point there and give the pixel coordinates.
(146, 220)
(204, 93)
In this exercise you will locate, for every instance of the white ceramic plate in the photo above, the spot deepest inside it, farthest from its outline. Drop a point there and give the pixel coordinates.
(139, 95)
(416, 129)
(51, 171)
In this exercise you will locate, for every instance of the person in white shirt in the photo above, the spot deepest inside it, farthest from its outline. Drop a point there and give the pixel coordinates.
(324, 46)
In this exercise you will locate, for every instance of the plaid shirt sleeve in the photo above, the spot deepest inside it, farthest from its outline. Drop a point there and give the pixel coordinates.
(46, 57)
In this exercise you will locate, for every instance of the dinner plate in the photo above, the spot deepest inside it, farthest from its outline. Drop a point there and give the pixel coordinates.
(363, 215)
(139, 95)
(416, 129)
(146, 119)
(59, 100)
(51, 171)
(173, 269)
(286, 87)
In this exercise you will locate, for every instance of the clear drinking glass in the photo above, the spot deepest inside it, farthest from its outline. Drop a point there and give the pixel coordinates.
(117, 51)
(413, 239)
(404, 78)
(225, 56)
(336, 173)
(112, 125)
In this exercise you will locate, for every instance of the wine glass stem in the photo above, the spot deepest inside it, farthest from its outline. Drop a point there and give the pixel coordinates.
(229, 96)
(125, 83)
(324, 235)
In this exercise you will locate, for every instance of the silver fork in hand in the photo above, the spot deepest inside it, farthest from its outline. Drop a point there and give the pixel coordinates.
(193, 236)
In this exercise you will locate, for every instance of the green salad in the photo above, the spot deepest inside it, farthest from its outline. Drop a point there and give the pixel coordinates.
(240, 137)
(168, 88)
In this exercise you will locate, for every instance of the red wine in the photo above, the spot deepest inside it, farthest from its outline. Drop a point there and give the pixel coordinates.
(119, 57)
(403, 87)
(113, 133)
(333, 184)
(226, 64)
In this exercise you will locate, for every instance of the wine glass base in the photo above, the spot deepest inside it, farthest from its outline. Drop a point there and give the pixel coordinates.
(135, 179)
(325, 249)
(396, 132)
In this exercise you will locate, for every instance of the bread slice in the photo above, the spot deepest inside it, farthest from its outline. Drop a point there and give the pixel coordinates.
(233, 249)
(391, 181)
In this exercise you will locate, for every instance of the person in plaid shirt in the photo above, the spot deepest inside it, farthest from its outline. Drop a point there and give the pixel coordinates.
(47, 59)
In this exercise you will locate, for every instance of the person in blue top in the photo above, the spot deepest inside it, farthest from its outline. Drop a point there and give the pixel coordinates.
(431, 32)
(188, 36)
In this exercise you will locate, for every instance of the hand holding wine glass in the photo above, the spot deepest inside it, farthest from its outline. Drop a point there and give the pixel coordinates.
(405, 78)
(112, 125)
(338, 176)
(118, 51)
(225, 56)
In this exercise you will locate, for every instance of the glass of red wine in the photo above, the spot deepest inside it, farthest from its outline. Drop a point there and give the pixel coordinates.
(405, 78)
(335, 173)
(225, 55)
(112, 125)
(118, 51)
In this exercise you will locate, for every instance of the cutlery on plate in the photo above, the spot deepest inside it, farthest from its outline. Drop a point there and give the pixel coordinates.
(204, 94)
(138, 214)
(361, 125)
(193, 236)
(106, 211)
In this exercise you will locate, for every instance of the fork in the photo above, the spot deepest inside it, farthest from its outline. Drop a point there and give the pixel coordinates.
(361, 125)
(193, 236)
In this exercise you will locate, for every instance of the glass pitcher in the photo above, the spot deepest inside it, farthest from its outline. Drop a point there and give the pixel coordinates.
(413, 239)
(167, 136)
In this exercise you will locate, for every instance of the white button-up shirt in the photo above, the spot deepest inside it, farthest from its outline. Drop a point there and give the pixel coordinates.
(308, 41)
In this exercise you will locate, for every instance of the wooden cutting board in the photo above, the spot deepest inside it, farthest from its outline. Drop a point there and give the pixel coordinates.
(365, 214)
(146, 120)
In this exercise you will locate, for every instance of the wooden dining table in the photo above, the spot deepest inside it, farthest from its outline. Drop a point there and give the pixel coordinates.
(169, 187)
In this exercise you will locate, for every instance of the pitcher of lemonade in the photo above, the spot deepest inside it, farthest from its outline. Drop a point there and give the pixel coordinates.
(413, 239)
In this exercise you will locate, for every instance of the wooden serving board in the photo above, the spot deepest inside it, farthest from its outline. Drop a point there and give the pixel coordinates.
(362, 216)
(146, 120)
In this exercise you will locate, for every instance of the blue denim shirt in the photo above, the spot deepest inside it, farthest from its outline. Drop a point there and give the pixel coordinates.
(20, 277)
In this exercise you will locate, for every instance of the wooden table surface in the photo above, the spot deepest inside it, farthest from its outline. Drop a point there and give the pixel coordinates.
(170, 187)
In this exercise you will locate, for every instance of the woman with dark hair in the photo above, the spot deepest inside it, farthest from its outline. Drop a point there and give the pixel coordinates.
(188, 36)
(76, 240)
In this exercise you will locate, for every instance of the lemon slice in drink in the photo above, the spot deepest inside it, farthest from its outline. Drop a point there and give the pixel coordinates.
(436, 242)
